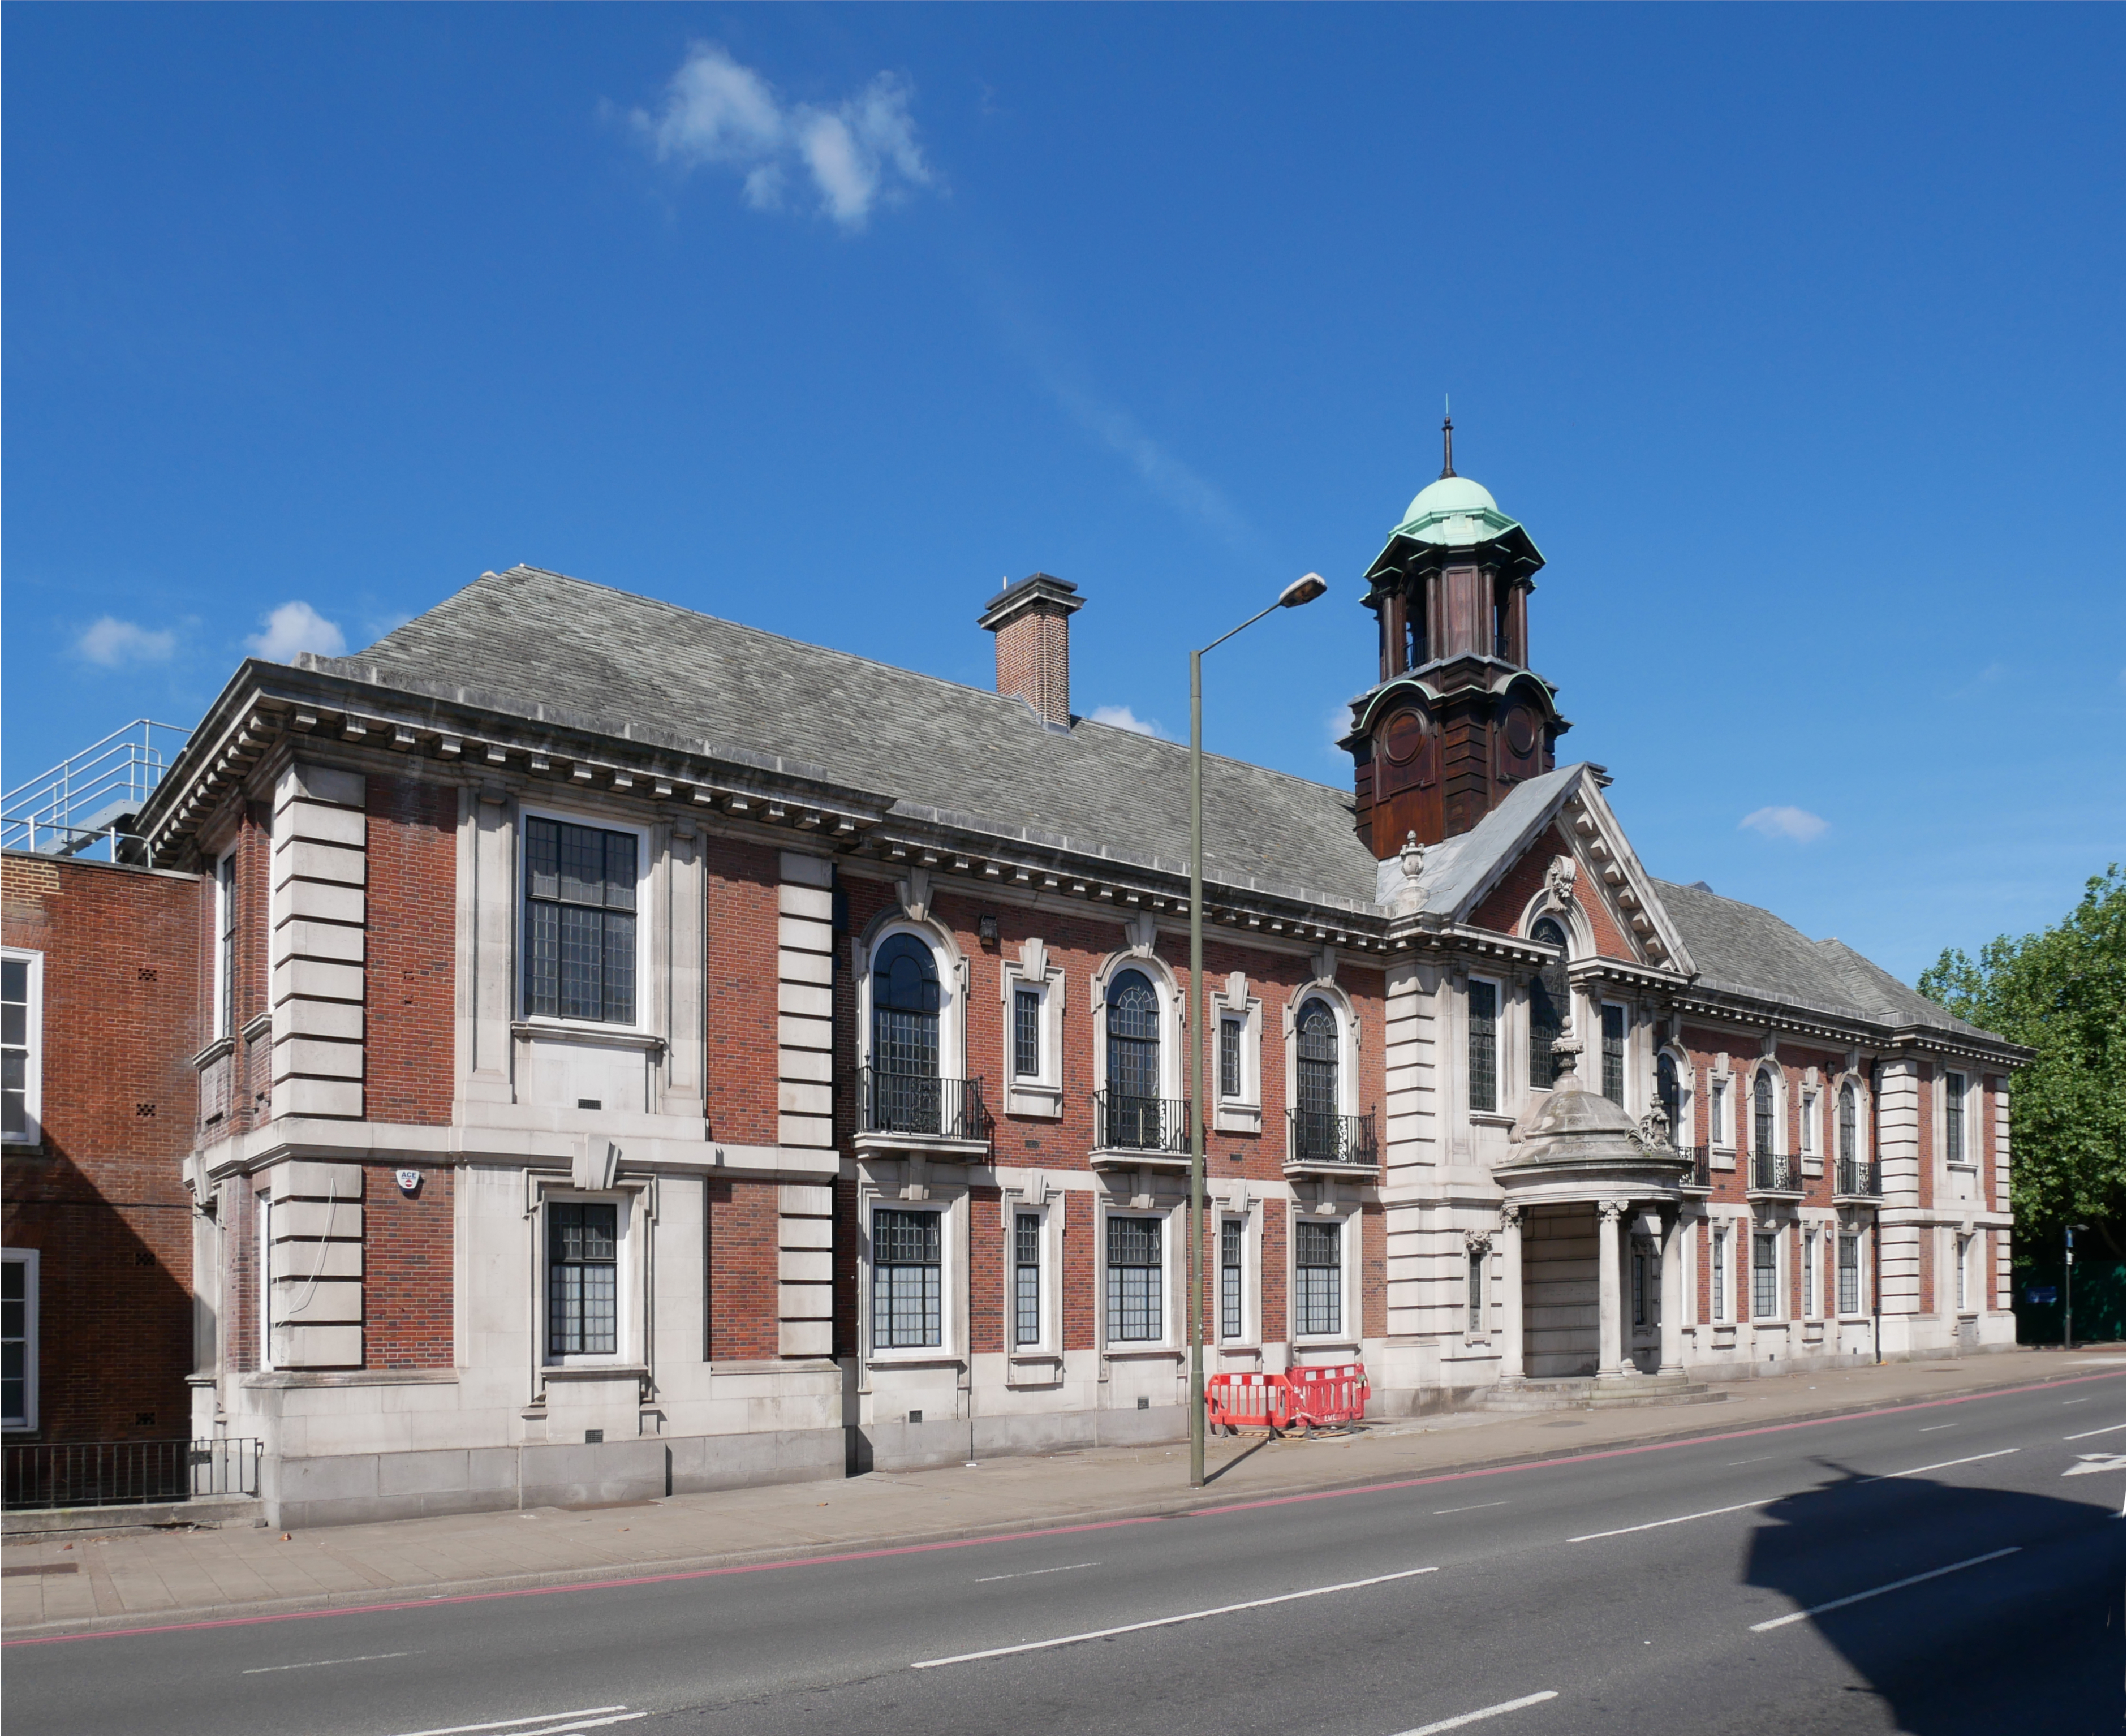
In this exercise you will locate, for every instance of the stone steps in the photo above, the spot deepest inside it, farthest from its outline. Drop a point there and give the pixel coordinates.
(1584, 1393)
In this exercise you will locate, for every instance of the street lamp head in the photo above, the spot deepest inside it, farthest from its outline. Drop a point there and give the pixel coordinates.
(1301, 590)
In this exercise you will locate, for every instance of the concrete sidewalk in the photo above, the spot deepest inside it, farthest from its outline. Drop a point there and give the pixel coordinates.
(53, 1587)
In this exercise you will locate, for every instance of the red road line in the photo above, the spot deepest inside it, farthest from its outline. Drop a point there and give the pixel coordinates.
(1062, 1530)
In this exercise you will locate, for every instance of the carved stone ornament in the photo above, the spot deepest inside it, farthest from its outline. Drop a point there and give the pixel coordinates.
(1141, 931)
(1477, 1242)
(1033, 959)
(1325, 965)
(1510, 1216)
(1655, 1129)
(597, 1162)
(1558, 879)
(1410, 897)
(914, 894)
(1613, 1210)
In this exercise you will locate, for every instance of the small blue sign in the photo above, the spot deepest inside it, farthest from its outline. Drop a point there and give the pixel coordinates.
(2042, 1295)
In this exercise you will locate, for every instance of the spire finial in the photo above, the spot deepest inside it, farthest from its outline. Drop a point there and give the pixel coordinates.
(1446, 437)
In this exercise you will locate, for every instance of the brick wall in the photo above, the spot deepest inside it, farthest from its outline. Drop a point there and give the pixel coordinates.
(988, 1248)
(1276, 1278)
(743, 1238)
(742, 1065)
(1502, 908)
(1034, 659)
(407, 1271)
(1080, 1305)
(408, 988)
(103, 1198)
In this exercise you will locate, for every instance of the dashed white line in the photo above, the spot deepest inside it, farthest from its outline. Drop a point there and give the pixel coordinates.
(1655, 1525)
(1439, 1512)
(1760, 1459)
(1139, 1627)
(2065, 1402)
(2108, 1429)
(273, 1669)
(1036, 1573)
(548, 1722)
(1933, 1427)
(1489, 1711)
(1942, 1465)
(1895, 1585)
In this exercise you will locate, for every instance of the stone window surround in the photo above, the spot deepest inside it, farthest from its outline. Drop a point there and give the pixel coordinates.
(953, 1204)
(1041, 1095)
(1346, 1215)
(1505, 1076)
(1349, 1036)
(1231, 1000)
(1972, 1099)
(1242, 1206)
(952, 967)
(1041, 1363)
(645, 917)
(630, 1338)
(29, 1259)
(1174, 1218)
(33, 1073)
(1173, 1022)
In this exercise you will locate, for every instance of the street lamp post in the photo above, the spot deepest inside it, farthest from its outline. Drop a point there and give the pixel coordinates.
(1300, 590)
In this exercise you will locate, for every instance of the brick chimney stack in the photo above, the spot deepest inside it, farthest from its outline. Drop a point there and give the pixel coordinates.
(1032, 622)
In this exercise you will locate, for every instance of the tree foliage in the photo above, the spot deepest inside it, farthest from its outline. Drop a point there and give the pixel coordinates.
(2060, 992)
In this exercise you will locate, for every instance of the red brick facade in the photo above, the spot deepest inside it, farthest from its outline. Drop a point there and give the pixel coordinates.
(743, 1261)
(406, 1270)
(743, 883)
(412, 928)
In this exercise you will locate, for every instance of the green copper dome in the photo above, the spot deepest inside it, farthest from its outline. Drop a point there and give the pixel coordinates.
(1454, 513)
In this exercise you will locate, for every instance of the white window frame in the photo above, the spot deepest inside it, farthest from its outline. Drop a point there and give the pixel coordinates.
(627, 1351)
(33, 1058)
(1841, 1236)
(29, 1260)
(224, 1019)
(1173, 1035)
(1047, 1263)
(1501, 1046)
(1173, 1291)
(644, 992)
(1625, 1069)
(1810, 1151)
(1346, 1273)
(1774, 1072)
(1242, 1114)
(1961, 1258)
(1039, 1094)
(1967, 1125)
(1720, 1277)
(1250, 1336)
(1810, 1298)
(1779, 1312)
(1685, 1133)
(951, 1279)
(262, 1209)
(1721, 1112)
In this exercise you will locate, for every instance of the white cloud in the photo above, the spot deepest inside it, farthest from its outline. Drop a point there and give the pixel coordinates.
(1122, 717)
(1796, 823)
(858, 153)
(293, 627)
(112, 643)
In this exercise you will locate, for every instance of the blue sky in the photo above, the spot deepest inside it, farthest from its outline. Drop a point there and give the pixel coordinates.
(1793, 335)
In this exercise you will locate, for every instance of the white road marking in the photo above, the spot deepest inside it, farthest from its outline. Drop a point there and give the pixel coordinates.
(1655, 1525)
(2065, 1402)
(2086, 1435)
(1942, 1465)
(1438, 1512)
(1760, 1459)
(272, 1669)
(1489, 1711)
(544, 1719)
(2092, 1462)
(1036, 1573)
(1933, 1427)
(1895, 1585)
(1139, 1627)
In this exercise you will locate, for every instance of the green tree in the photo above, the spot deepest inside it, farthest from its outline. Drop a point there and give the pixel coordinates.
(2060, 992)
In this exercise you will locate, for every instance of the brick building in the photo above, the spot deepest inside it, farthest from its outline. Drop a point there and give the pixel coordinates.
(634, 1051)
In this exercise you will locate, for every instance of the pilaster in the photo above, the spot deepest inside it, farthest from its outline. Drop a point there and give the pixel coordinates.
(320, 905)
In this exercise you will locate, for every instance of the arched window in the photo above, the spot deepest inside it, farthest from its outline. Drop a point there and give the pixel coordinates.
(1761, 1125)
(1136, 1120)
(1315, 1115)
(904, 1037)
(1547, 993)
(1849, 1123)
(1671, 1098)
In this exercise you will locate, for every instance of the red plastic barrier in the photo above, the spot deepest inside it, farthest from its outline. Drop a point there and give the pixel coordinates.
(1236, 1401)
(1304, 1398)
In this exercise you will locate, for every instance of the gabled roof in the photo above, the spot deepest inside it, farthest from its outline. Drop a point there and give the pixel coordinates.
(1744, 950)
(540, 644)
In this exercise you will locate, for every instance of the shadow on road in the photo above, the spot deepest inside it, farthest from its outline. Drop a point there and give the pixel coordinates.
(2030, 1642)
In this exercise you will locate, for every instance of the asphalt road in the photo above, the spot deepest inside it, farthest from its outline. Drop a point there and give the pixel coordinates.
(1952, 1567)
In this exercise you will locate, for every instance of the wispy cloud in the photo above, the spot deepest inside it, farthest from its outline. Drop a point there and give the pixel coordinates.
(857, 153)
(294, 627)
(115, 643)
(1796, 824)
(1122, 717)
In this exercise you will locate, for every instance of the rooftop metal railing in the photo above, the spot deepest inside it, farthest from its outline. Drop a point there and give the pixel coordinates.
(86, 804)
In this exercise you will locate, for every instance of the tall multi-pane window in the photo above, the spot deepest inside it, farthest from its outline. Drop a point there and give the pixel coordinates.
(1639, 1286)
(1476, 1290)
(1765, 1275)
(1614, 1054)
(1850, 1273)
(20, 1064)
(904, 1093)
(18, 1340)
(907, 1280)
(1314, 1126)
(1670, 1095)
(578, 922)
(1717, 1113)
(1761, 1116)
(583, 1278)
(1546, 1007)
(225, 948)
(1133, 1037)
(1026, 1033)
(1135, 1312)
(1229, 1056)
(1964, 1264)
(1720, 1275)
(1809, 1274)
(1952, 1118)
(1849, 1124)
(1026, 1278)
(1809, 1123)
(1230, 1278)
(1319, 1277)
(1483, 1046)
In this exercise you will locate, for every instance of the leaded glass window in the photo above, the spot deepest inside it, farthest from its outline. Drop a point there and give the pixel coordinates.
(1133, 1037)
(1850, 1273)
(1315, 1039)
(1026, 1278)
(1765, 1275)
(1484, 1047)
(224, 1012)
(582, 1278)
(1671, 1094)
(1229, 1056)
(578, 922)
(1026, 1033)
(1476, 1290)
(1230, 1278)
(906, 1280)
(1546, 1008)
(1952, 1118)
(1761, 1122)
(1319, 1277)
(1849, 1124)
(1135, 1310)
(1613, 1054)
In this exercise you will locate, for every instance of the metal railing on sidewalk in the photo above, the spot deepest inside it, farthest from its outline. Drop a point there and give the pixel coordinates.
(94, 1473)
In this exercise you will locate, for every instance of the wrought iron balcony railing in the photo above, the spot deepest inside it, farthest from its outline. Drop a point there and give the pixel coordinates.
(1700, 1158)
(920, 1105)
(95, 1474)
(1123, 1123)
(1314, 1138)
(1864, 1181)
(1773, 1174)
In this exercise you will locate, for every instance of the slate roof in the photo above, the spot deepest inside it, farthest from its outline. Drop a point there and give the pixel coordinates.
(1455, 869)
(543, 646)
(1742, 949)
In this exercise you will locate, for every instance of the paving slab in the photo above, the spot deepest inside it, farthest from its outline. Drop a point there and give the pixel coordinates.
(211, 1574)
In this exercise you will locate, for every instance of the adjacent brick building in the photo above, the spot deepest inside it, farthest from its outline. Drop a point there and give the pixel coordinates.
(607, 1048)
